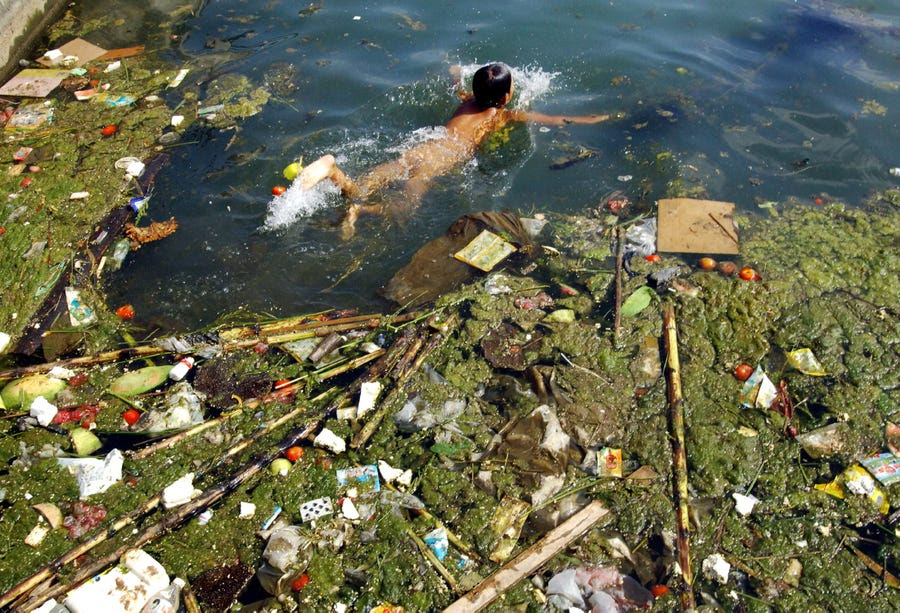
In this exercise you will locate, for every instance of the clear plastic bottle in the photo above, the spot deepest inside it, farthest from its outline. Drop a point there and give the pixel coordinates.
(166, 600)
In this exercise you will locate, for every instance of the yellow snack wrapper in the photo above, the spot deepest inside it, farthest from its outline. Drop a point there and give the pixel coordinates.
(804, 361)
(857, 480)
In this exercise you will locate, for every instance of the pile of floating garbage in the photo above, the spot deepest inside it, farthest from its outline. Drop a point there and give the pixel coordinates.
(584, 427)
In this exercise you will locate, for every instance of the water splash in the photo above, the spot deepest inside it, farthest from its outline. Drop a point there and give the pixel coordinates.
(531, 83)
(297, 203)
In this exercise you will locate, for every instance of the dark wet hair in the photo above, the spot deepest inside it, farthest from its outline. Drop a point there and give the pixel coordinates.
(491, 83)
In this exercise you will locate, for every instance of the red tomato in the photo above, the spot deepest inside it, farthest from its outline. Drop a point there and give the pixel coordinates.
(653, 257)
(79, 379)
(743, 371)
(659, 590)
(707, 263)
(300, 582)
(748, 274)
(26, 182)
(294, 453)
(109, 130)
(131, 416)
(278, 190)
(819, 201)
(126, 311)
(2, 231)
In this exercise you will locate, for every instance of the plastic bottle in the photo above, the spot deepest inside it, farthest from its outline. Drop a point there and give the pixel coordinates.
(180, 369)
(165, 600)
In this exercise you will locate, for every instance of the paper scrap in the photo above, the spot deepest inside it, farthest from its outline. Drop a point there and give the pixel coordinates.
(885, 467)
(93, 475)
(485, 251)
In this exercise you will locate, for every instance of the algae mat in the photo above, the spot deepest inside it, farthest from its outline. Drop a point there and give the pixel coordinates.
(474, 433)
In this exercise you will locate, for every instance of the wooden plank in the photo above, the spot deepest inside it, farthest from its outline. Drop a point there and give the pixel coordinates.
(530, 560)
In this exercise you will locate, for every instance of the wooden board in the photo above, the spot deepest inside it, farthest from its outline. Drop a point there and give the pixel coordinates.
(530, 560)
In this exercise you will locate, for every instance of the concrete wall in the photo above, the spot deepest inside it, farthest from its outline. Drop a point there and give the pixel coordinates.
(21, 24)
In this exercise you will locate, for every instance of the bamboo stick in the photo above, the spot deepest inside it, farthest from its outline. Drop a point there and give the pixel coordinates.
(620, 258)
(429, 555)
(410, 363)
(170, 521)
(529, 560)
(87, 360)
(278, 335)
(297, 322)
(679, 456)
(385, 362)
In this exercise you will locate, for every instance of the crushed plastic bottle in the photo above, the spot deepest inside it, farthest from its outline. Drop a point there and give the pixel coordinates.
(166, 600)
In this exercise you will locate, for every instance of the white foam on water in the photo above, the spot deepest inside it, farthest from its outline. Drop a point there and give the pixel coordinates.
(297, 203)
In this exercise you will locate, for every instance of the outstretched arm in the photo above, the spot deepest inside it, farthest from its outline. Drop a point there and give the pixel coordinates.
(558, 120)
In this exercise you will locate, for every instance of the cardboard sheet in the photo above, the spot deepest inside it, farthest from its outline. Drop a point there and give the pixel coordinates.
(34, 82)
(686, 225)
(78, 47)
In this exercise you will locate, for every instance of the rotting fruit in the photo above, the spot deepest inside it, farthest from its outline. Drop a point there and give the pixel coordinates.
(131, 416)
(294, 453)
(748, 274)
(300, 582)
(707, 263)
(278, 190)
(743, 371)
(126, 311)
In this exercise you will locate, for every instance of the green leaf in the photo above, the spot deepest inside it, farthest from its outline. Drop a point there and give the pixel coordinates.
(637, 302)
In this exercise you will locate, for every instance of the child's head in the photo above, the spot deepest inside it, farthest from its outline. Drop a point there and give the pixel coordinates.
(491, 84)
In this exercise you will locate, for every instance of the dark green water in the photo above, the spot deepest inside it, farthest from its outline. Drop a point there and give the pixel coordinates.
(761, 101)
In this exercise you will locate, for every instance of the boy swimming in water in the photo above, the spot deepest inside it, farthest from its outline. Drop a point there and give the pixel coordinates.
(481, 114)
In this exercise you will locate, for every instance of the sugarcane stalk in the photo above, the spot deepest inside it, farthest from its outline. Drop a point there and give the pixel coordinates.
(679, 456)
(620, 258)
(105, 357)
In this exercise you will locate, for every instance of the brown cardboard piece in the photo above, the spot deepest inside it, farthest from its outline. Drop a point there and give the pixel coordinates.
(685, 225)
(34, 82)
(80, 48)
(117, 54)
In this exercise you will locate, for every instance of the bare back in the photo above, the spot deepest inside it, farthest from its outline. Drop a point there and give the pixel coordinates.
(420, 165)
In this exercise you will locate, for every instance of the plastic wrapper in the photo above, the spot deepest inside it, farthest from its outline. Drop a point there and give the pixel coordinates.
(805, 361)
